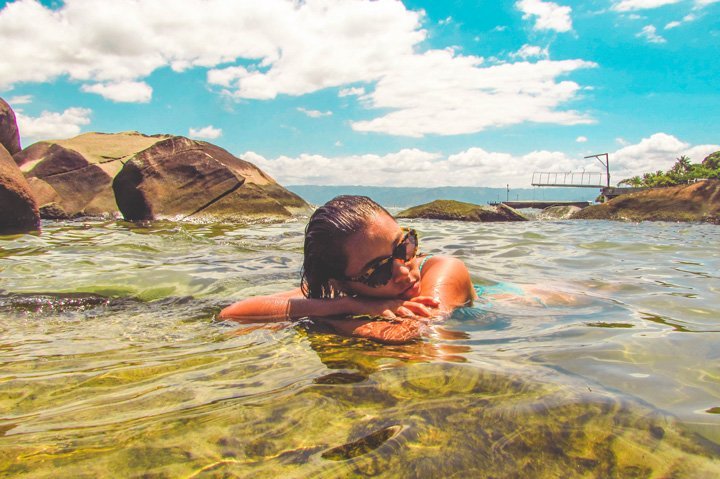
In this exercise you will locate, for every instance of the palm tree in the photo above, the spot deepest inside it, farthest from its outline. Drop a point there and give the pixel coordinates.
(634, 182)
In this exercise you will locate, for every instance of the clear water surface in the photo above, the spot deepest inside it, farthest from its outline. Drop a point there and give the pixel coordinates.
(112, 364)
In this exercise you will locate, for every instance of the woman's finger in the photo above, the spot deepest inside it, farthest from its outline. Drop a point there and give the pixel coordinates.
(404, 312)
(427, 300)
(417, 308)
(387, 314)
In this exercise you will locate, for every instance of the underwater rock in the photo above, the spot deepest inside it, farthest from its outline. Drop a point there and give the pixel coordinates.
(9, 135)
(50, 302)
(558, 212)
(695, 202)
(179, 177)
(460, 211)
(18, 209)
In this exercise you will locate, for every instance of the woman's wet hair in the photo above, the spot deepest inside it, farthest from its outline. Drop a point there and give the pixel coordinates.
(325, 234)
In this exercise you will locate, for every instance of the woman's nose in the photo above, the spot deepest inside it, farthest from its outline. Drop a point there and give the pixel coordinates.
(400, 269)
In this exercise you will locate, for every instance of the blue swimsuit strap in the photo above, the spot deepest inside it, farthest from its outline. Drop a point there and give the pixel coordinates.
(427, 257)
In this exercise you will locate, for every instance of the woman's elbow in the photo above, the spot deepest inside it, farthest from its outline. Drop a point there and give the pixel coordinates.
(230, 312)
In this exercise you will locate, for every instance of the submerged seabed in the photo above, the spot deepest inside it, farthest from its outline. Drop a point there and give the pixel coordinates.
(112, 365)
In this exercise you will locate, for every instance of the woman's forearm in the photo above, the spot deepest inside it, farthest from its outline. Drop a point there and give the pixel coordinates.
(283, 308)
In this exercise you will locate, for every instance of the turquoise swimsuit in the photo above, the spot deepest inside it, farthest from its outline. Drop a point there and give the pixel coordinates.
(483, 291)
(498, 288)
(427, 257)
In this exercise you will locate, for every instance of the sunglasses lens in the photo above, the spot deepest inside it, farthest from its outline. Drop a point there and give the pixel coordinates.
(381, 275)
(408, 248)
(405, 251)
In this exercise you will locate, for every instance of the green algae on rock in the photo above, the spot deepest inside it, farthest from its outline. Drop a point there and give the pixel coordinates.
(460, 211)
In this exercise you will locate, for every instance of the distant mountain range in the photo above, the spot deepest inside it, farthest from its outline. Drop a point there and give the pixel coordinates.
(410, 196)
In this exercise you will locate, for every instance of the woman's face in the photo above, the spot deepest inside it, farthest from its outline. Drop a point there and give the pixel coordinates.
(377, 241)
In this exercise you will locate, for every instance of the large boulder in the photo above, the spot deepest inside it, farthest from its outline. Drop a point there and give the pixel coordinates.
(179, 178)
(9, 135)
(74, 177)
(457, 210)
(695, 202)
(18, 210)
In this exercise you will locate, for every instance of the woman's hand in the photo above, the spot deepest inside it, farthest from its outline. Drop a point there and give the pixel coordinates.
(419, 306)
(399, 331)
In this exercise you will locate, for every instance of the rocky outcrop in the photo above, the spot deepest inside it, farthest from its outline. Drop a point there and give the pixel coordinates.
(9, 135)
(695, 202)
(179, 178)
(148, 177)
(67, 177)
(74, 177)
(457, 210)
(18, 209)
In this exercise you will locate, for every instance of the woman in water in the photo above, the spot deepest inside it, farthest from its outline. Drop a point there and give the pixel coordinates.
(359, 262)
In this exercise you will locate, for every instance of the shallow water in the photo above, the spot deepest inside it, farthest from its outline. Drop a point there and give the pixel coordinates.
(112, 365)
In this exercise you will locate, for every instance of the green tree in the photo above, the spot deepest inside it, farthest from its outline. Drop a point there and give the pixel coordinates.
(712, 162)
(634, 182)
(683, 171)
(680, 171)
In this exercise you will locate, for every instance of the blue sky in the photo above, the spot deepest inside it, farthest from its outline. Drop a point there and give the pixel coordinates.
(386, 93)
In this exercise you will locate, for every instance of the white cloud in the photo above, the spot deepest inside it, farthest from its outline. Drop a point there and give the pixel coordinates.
(439, 93)
(20, 100)
(207, 132)
(549, 15)
(259, 50)
(686, 19)
(122, 92)
(52, 125)
(704, 3)
(629, 5)
(414, 167)
(315, 113)
(650, 34)
(472, 167)
(531, 51)
(357, 91)
(581, 139)
(657, 152)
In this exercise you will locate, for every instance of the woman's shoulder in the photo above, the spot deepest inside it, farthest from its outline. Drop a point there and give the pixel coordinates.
(441, 262)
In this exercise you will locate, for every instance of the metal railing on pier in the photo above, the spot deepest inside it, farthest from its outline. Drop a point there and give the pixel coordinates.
(580, 179)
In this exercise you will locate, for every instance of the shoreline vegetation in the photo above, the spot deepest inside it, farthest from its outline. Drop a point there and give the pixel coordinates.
(141, 177)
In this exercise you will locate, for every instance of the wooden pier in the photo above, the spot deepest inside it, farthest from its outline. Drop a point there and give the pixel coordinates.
(518, 204)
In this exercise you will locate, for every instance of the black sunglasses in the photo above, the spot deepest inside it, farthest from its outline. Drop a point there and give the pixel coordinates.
(380, 272)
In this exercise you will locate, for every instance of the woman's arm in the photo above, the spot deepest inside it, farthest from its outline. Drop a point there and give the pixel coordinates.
(447, 279)
(444, 278)
(293, 305)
